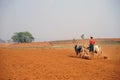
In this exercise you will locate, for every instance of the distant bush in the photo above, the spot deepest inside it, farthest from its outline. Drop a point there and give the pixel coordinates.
(22, 37)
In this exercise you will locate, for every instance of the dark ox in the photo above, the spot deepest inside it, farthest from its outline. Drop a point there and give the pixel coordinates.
(78, 49)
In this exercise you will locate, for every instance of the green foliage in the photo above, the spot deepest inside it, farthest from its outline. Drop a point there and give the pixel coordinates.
(83, 36)
(22, 37)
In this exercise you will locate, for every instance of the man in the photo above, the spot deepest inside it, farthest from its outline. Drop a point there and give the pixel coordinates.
(91, 44)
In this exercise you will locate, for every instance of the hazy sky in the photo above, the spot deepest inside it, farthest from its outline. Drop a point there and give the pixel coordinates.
(60, 19)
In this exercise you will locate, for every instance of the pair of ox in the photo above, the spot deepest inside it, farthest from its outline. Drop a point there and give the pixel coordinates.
(80, 49)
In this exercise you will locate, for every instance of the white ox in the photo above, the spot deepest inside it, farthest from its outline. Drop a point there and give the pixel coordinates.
(97, 49)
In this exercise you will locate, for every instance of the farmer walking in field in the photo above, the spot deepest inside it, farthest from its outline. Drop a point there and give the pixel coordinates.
(91, 45)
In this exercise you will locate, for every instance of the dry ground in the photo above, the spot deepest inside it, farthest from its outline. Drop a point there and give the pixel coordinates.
(40, 63)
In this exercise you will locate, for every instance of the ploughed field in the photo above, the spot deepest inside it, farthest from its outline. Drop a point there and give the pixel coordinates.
(56, 61)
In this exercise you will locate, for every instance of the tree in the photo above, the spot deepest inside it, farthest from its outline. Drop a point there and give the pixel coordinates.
(83, 36)
(22, 37)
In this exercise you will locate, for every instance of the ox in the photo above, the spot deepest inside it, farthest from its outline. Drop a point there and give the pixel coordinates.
(78, 49)
(81, 51)
(97, 49)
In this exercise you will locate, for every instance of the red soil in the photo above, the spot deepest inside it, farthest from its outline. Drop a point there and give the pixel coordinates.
(57, 64)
